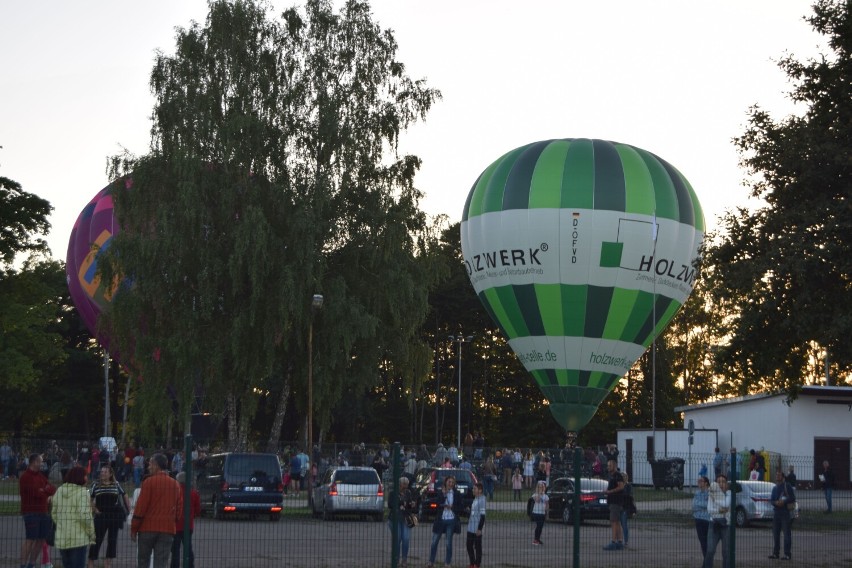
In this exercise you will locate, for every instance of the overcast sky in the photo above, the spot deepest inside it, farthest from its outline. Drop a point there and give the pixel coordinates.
(673, 77)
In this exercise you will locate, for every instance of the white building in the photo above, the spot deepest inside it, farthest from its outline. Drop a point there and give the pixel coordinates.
(814, 427)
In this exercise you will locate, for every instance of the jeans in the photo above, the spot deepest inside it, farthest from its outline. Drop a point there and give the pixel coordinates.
(538, 518)
(625, 530)
(445, 528)
(74, 557)
(702, 527)
(781, 520)
(160, 544)
(718, 531)
(177, 557)
(488, 487)
(403, 534)
(827, 492)
(137, 476)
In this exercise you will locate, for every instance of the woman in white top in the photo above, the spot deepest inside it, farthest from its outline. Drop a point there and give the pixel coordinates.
(718, 505)
(529, 470)
(539, 510)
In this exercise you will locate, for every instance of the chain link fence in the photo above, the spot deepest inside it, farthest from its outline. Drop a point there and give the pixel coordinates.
(304, 533)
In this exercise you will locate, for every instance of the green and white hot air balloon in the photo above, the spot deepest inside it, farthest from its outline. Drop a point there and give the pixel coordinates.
(582, 251)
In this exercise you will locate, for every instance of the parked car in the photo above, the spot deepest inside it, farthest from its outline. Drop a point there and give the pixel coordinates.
(593, 502)
(349, 490)
(753, 502)
(240, 483)
(428, 482)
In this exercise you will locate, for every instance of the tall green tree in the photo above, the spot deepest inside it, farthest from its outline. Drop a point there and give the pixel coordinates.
(785, 270)
(23, 221)
(273, 175)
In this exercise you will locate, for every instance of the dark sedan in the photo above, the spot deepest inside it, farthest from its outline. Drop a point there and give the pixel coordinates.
(593, 503)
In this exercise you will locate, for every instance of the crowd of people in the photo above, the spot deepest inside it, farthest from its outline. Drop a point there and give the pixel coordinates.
(74, 504)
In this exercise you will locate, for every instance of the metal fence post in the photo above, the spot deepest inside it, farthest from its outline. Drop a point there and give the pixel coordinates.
(578, 466)
(187, 499)
(732, 533)
(393, 504)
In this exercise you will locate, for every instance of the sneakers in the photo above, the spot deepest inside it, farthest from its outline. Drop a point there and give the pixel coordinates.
(785, 557)
(537, 542)
(614, 546)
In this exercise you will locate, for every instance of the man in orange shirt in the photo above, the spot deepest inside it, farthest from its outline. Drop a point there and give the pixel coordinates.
(156, 514)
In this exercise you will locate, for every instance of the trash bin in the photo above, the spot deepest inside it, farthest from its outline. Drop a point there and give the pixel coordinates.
(667, 473)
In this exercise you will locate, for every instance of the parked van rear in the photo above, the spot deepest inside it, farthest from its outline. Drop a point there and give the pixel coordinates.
(241, 483)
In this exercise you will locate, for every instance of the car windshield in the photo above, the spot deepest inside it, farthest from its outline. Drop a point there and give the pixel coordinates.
(356, 477)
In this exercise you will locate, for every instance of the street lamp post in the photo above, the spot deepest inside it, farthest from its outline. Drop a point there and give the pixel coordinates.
(316, 303)
(460, 339)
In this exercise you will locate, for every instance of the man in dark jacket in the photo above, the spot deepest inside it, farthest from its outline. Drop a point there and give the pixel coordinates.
(781, 498)
(827, 480)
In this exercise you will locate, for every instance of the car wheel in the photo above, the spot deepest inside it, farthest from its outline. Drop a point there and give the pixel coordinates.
(275, 517)
(567, 517)
(741, 518)
(326, 514)
(379, 517)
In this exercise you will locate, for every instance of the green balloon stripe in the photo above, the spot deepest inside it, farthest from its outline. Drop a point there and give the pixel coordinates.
(548, 174)
(639, 314)
(609, 178)
(597, 308)
(592, 174)
(574, 308)
(686, 213)
(529, 309)
(620, 310)
(542, 309)
(552, 316)
(698, 212)
(665, 196)
(640, 196)
(509, 302)
(496, 184)
(518, 188)
(493, 303)
(578, 176)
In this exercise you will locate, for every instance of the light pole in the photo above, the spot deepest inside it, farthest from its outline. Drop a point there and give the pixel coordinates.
(316, 303)
(460, 339)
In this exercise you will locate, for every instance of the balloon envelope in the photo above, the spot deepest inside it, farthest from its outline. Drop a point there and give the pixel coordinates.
(91, 234)
(582, 251)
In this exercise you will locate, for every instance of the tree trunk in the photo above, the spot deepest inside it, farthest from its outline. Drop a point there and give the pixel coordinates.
(280, 412)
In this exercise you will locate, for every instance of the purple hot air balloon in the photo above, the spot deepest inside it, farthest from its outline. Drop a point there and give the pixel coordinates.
(92, 234)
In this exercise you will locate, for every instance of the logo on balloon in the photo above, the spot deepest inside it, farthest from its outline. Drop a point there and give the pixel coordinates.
(582, 251)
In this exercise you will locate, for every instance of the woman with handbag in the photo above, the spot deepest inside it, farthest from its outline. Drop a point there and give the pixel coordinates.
(72, 512)
(110, 505)
(447, 521)
(406, 518)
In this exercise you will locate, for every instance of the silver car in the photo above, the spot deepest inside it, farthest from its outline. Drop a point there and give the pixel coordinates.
(349, 490)
(753, 502)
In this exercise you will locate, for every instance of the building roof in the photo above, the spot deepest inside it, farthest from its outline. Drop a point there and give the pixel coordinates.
(809, 391)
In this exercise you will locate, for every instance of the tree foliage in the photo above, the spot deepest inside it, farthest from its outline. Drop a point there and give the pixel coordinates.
(784, 271)
(23, 217)
(273, 175)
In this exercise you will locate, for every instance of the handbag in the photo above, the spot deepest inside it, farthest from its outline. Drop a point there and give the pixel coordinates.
(411, 520)
(791, 506)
